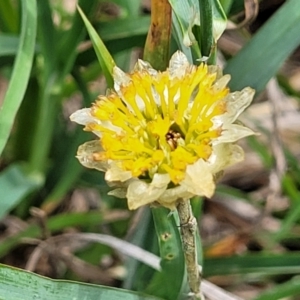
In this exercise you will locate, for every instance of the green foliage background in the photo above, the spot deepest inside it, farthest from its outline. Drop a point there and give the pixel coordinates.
(46, 61)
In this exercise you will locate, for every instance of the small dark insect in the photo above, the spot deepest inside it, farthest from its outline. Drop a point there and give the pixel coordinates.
(172, 137)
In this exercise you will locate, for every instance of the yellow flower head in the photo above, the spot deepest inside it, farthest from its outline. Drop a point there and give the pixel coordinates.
(165, 135)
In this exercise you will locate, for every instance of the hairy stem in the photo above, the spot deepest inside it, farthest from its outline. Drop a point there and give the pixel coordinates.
(188, 225)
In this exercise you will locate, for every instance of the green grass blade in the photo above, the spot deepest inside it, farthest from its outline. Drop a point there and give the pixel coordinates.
(261, 58)
(282, 291)
(21, 71)
(132, 7)
(46, 35)
(63, 56)
(67, 166)
(15, 184)
(44, 128)
(69, 41)
(9, 18)
(290, 188)
(142, 236)
(255, 263)
(71, 170)
(226, 4)
(8, 44)
(13, 283)
(172, 258)
(105, 59)
(124, 28)
(293, 215)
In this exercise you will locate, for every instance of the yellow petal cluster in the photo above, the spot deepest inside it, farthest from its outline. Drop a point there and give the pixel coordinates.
(164, 135)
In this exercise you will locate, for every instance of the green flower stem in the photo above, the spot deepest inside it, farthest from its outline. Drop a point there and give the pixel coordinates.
(206, 27)
(158, 39)
(188, 225)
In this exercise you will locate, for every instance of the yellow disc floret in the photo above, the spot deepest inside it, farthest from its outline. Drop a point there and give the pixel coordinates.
(160, 123)
(164, 136)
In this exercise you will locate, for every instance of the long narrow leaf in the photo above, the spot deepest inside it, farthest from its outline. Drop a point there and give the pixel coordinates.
(132, 7)
(69, 41)
(124, 28)
(106, 61)
(8, 44)
(46, 35)
(9, 18)
(172, 259)
(64, 53)
(15, 184)
(21, 71)
(68, 167)
(262, 57)
(254, 263)
(142, 236)
(284, 290)
(13, 283)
